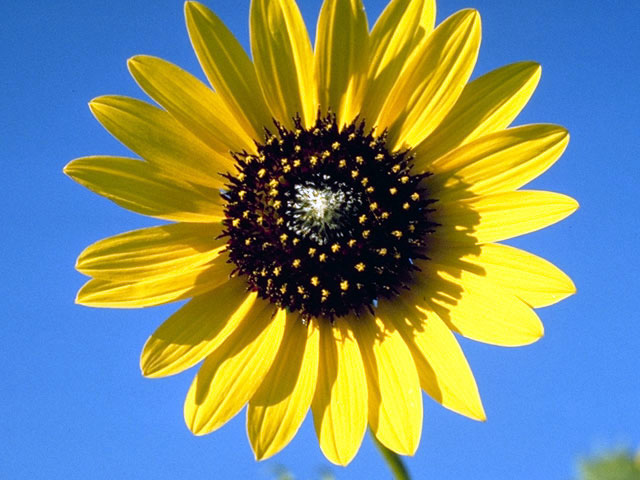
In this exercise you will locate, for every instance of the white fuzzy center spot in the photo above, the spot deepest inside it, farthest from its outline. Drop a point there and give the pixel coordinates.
(317, 212)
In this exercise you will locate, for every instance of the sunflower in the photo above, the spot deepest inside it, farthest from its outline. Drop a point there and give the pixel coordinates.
(333, 217)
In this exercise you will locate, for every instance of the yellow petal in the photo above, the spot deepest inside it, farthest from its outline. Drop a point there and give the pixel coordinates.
(444, 372)
(395, 398)
(143, 188)
(228, 68)
(230, 375)
(151, 251)
(158, 138)
(341, 57)
(499, 216)
(529, 277)
(340, 402)
(283, 60)
(488, 104)
(501, 161)
(190, 102)
(427, 20)
(188, 282)
(402, 26)
(278, 408)
(475, 307)
(432, 80)
(196, 330)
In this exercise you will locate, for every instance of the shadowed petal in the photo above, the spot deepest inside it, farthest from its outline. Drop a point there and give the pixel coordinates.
(152, 251)
(280, 405)
(499, 216)
(488, 104)
(142, 188)
(233, 372)
(196, 330)
(499, 162)
(340, 402)
(432, 81)
(184, 283)
(395, 398)
(192, 103)
(444, 372)
(402, 26)
(341, 57)
(283, 60)
(475, 307)
(529, 277)
(161, 140)
(228, 68)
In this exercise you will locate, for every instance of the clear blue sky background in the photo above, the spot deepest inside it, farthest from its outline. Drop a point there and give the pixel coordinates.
(73, 404)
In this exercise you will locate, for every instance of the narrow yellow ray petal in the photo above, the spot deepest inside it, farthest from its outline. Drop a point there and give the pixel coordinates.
(498, 162)
(233, 372)
(499, 216)
(475, 307)
(443, 369)
(427, 21)
(158, 138)
(190, 102)
(228, 68)
(488, 104)
(340, 402)
(142, 188)
(432, 80)
(196, 330)
(395, 398)
(151, 251)
(532, 279)
(155, 290)
(341, 57)
(278, 408)
(393, 38)
(283, 60)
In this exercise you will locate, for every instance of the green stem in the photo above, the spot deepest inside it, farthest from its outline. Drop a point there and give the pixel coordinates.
(393, 460)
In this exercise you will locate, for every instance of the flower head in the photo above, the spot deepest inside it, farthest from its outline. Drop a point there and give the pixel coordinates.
(335, 211)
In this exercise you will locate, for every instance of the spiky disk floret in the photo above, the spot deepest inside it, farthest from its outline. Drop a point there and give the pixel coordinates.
(325, 221)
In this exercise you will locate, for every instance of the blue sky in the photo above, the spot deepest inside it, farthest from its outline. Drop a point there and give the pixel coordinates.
(73, 402)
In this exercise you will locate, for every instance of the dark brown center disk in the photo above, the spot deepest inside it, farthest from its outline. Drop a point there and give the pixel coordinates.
(325, 221)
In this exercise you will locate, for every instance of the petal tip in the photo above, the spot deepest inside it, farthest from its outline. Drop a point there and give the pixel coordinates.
(146, 367)
(472, 15)
(147, 372)
(143, 369)
(100, 100)
(341, 462)
(563, 131)
(134, 62)
(190, 419)
(532, 67)
(260, 453)
(97, 104)
(568, 286)
(68, 169)
(258, 456)
(571, 205)
(576, 204)
(191, 7)
(80, 300)
(477, 412)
